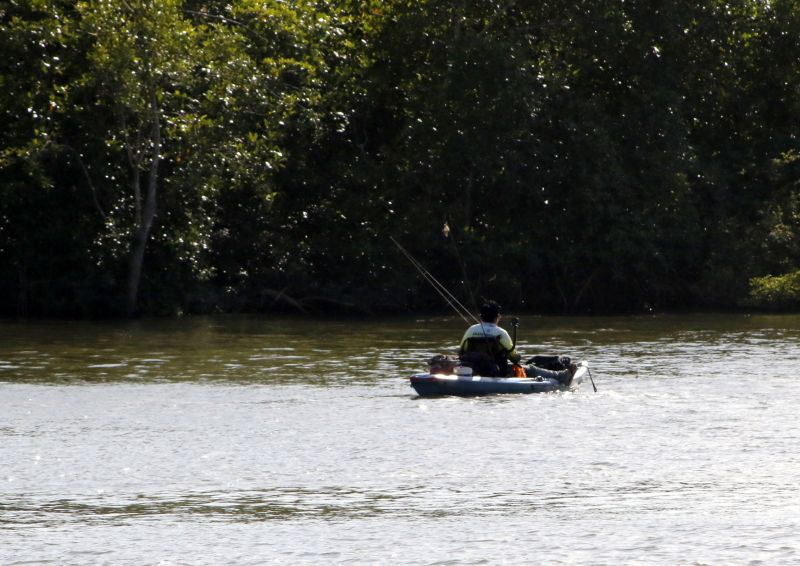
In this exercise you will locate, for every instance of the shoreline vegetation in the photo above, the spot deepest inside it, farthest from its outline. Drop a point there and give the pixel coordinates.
(167, 157)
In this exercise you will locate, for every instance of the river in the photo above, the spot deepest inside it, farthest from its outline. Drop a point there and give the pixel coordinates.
(255, 440)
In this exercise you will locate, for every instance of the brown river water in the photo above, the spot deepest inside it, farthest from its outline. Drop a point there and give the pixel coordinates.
(258, 440)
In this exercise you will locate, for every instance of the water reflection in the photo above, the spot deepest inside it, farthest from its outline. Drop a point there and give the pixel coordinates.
(330, 353)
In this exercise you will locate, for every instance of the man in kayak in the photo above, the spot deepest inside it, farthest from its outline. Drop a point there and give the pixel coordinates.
(487, 349)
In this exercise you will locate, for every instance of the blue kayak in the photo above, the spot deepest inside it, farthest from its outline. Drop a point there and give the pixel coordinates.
(437, 385)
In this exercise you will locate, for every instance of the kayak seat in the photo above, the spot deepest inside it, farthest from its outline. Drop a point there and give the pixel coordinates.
(485, 356)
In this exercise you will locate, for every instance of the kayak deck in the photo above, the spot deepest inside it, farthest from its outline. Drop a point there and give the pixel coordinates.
(436, 385)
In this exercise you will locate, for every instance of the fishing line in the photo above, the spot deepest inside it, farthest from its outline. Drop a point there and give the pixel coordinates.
(451, 300)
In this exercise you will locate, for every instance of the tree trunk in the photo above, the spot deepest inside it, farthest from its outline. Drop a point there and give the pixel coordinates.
(144, 224)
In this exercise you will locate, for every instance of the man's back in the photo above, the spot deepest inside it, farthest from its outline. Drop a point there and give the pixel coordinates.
(485, 348)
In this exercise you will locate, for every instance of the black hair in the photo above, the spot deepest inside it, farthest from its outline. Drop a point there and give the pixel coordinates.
(490, 311)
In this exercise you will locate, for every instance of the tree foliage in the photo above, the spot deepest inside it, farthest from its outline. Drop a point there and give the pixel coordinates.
(173, 155)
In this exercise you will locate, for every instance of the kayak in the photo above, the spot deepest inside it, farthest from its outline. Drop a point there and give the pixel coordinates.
(439, 384)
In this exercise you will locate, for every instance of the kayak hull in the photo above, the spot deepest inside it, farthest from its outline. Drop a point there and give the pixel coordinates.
(438, 385)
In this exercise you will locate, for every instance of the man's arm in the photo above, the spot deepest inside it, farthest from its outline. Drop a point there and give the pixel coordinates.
(508, 345)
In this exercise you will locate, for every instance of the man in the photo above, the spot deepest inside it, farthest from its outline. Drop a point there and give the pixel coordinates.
(487, 349)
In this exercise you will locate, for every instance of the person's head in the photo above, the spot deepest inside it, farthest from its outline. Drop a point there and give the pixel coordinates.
(490, 312)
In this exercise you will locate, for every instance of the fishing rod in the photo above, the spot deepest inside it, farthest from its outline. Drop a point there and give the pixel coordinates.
(451, 300)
